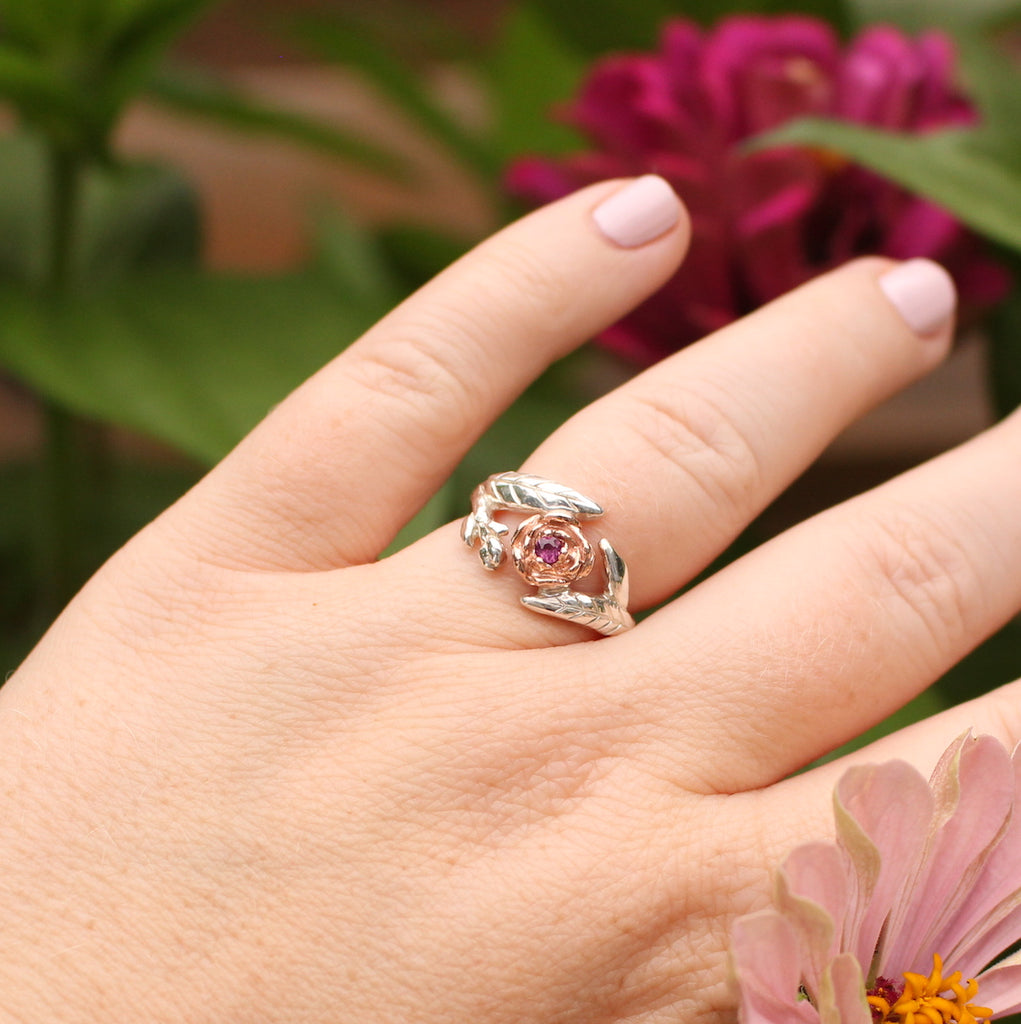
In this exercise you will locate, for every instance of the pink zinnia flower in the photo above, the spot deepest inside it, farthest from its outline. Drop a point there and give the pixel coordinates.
(905, 919)
(767, 221)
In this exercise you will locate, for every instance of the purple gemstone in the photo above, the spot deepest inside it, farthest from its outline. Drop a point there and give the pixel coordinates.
(549, 548)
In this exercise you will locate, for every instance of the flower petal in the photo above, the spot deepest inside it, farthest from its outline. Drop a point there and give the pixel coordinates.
(974, 789)
(842, 1000)
(883, 814)
(626, 107)
(773, 196)
(997, 933)
(920, 228)
(812, 890)
(757, 72)
(1000, 987)
(990, 920)
(881, 79)
(765, 959)
(539, 180)
(940, 103)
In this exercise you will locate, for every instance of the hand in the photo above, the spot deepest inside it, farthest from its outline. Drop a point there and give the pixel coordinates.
(252, 775)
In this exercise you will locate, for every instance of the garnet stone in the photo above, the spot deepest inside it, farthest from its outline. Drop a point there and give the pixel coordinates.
(549, 548)
(551, 551)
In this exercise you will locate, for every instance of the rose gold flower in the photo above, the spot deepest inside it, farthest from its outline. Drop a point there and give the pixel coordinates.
(551, 551)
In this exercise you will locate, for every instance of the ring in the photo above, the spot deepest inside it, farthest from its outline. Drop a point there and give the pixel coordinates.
(549, 549)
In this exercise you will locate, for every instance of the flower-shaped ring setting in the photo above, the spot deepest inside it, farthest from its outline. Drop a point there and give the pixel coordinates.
(549, 549)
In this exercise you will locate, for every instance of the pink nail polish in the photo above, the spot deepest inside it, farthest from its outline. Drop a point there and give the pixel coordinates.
(641, 211)
(923, 293)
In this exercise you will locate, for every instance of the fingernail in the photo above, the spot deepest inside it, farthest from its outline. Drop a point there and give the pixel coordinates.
(639, 212)
(923, 293)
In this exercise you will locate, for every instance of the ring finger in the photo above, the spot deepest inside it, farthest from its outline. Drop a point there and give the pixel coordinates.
(686, 454)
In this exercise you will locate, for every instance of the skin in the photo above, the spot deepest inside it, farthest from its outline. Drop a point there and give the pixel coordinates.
(253, 775)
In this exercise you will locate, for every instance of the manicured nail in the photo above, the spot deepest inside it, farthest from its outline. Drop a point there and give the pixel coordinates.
(923, 293)
(639, 212)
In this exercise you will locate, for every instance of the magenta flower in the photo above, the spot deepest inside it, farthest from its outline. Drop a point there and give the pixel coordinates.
(764, 222)
(905, 919)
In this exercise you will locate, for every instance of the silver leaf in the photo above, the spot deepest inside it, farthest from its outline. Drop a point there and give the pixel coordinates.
(492, 551)
(535, 493)
(602, 614)
(618, 586)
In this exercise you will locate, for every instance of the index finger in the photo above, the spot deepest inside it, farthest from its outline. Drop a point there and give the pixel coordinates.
(334, 472)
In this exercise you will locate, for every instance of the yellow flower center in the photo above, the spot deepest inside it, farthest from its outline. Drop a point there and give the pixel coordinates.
(927, 1000)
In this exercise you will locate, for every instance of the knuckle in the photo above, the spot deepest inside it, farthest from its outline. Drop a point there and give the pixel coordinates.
(925, 568)
(694, 434)
(439, 357)
(426, 370)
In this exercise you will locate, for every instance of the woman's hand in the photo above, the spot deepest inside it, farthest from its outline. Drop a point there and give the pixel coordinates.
(253, 775)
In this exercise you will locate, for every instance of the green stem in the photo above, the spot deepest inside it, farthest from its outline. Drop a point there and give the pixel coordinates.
(61, 510)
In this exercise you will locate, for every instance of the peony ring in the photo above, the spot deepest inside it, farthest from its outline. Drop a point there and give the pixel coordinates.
(549, 549)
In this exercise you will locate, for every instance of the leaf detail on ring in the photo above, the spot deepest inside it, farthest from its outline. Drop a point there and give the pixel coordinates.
(514, 490)
(607, 613)
(479, 527)
(598, 613)
(492, 551)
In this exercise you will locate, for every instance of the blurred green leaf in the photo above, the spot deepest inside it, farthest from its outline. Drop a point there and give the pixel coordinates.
(132, 216)
(194, 360)
(141, 31)
(128, 494)
(992, 81)
(971, 172)
(411, 30)
(36, 24)
(1003, 327)
(137, 217)
(531, 71)
(917, 16)
(598, 27)
(28, 83)
(417, 253)
(836, 12)
(993, 663)
(354, 261)
(200, 95)
(602, 26)
(70, 68)
(343, 40)
(64, 27)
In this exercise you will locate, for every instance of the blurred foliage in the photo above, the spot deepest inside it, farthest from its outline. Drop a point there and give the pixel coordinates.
(69, 68)
(193, 359)
(109, 317)
(600, 26)
(191, 92)
(523, 101)
(336, 39)
(131, 217)
(1004, 329)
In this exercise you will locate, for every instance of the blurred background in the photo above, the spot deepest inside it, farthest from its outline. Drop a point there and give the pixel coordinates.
(202, 202)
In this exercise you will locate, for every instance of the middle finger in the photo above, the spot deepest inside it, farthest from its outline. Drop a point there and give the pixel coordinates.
(687, 453)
